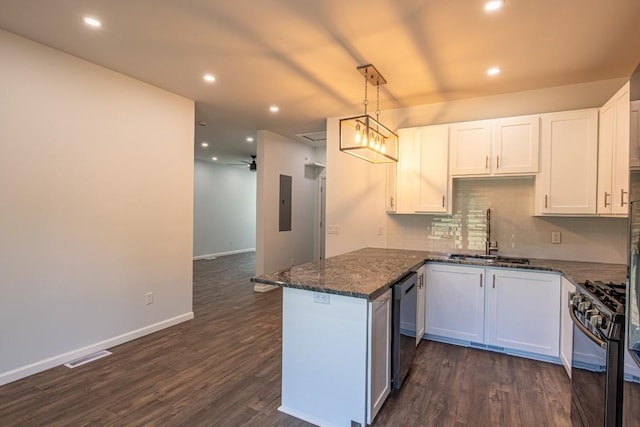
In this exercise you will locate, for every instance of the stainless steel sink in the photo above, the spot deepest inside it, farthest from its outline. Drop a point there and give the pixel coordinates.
(489, 259)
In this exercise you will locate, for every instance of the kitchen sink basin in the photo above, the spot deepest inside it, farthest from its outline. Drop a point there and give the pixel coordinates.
(489, 259)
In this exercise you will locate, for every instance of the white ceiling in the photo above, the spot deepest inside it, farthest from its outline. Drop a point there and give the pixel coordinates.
(302, 54)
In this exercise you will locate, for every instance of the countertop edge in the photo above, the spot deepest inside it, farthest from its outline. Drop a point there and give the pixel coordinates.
(537, 265)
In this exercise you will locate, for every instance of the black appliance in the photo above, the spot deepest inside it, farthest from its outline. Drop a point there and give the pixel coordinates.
(403, 341)
(631, 397)
(598, 313)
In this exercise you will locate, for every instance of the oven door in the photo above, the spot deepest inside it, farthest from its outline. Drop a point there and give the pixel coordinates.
(588, 376)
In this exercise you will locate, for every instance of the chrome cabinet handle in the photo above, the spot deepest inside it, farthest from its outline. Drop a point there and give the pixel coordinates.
(606, 204)
(391, 201)
(546, 201)
(494, 281)
(486, 162)
(622, 193)
(443, 201)
(497, 162)
(480, 279)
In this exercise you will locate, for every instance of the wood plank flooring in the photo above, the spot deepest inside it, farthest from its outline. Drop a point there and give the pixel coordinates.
(223, 369)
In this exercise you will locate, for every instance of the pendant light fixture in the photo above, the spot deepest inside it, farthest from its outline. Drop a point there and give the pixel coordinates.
(365, 137)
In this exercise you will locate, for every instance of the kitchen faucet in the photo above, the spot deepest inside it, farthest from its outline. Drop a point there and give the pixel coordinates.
(489, 245)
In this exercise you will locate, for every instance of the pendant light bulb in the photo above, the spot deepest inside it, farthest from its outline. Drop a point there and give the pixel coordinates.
(358, 136)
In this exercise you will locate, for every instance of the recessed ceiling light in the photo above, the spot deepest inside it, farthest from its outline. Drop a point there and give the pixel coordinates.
(492, 5)
(210, 78)
(493, 71)
(214, 158)
(274, 109)
(249, 139)
(92, 22)
(205, 144)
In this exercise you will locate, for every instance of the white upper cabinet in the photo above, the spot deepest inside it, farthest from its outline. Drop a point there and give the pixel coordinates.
(470, 148)
(390, 200)
(566, 184)
(432, 192)
(506, 146)
(634, 137)
(421, 176)
(515, 145)
(613, 155)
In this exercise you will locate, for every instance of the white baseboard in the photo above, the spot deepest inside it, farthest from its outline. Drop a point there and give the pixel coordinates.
(261, 287)
(43, 365)
(239, 251)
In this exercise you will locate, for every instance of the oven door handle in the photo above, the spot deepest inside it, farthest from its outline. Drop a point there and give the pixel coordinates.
(584, 329)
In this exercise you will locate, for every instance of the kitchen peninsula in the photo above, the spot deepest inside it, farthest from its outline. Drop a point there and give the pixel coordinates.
(336, 325)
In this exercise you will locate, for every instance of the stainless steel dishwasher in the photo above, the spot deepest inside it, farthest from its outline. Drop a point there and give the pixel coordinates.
(403, 342)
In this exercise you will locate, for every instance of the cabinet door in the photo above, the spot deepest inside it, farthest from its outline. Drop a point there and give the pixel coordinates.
(613, 155)
(515, 145)
(567, 181)
(634, 136)
(390, 200)
(470, 148)
(420, 310)
(407, 170)
(523, 311)
(566, 326)
(432, 192)
(605, 157)
(455, 302)
(620, 173)
(379, 371)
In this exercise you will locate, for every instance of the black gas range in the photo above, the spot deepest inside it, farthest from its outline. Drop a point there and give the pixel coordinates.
(598, 313)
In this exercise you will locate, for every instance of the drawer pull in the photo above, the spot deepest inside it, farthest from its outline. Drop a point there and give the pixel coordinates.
(622, 193)
(480, 279)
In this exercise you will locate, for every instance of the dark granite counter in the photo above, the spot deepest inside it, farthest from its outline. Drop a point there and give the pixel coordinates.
(367, 273)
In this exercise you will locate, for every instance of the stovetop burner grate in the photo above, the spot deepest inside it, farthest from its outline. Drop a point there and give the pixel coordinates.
(610, 294)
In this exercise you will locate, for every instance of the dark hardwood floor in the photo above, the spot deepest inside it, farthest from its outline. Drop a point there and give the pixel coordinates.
(223, 369)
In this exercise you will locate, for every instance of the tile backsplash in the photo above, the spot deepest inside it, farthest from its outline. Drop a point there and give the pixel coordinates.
(518, 233)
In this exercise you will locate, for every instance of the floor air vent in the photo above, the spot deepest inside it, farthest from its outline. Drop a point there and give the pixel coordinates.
(86, 359)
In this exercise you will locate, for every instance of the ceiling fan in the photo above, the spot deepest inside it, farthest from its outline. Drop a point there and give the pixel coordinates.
(252, 165)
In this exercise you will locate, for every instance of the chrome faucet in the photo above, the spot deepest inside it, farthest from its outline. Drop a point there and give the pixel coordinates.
(489, 245)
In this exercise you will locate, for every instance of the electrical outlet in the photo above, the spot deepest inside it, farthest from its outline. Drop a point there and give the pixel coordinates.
(149, 298)
(333, 229)
(321, 298)
(555, 237)
(380, 230)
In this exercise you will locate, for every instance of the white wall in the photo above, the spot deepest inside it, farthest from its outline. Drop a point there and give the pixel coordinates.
(224, 216)
(96, 190)
(278, 155)
(355, 188)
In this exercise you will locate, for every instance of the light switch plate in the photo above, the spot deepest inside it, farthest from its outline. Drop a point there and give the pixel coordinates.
(333, 229)
(555, 237)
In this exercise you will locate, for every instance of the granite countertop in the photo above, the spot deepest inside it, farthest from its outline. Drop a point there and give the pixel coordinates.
(369, 272)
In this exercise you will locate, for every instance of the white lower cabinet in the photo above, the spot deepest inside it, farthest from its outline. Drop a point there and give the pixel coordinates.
(336, 356)
(513, 309)
(566, 326)
(379, 372)
(523, 311)
(420, 310)
(455, 302)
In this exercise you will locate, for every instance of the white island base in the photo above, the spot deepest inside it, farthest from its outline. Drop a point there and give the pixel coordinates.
(335, 357)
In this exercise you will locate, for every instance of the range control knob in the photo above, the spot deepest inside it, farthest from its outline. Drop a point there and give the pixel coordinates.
(604, 321)
(584, 306)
